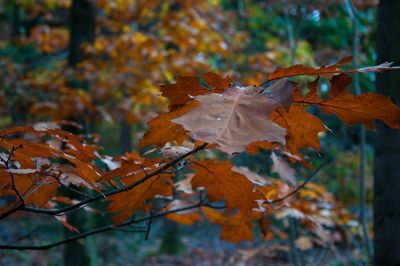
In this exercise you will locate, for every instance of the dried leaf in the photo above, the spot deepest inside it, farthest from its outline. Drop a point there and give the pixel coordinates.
(182, 91)
(300, 70)
(214, 80)
(352, 109)
(233, 119)
(255, 178)
(126, 203)
(188, 217)
(162, 130)
(224, 184)
(302, 127)
(235, 228)
(283, 168)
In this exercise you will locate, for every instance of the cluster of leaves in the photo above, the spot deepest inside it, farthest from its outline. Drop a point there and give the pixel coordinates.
(155, 38)
(209, 122)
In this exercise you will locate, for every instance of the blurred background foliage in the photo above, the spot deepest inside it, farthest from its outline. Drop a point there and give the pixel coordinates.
(138, 45)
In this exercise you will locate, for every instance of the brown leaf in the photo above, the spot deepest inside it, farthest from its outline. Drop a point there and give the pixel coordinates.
(281, 91)
(124, 204)
(235, 228)
(234, 119)
(224, 184)
(299, 70)
(352, 109)
(214, 80)
(255, 147)
(302, 127)
(162, 130)
(182, 91)
(188, 217)
(284, 169)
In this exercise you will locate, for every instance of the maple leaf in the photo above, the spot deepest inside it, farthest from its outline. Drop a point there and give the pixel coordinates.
(352, 109)
(237, 117)
(222, 183)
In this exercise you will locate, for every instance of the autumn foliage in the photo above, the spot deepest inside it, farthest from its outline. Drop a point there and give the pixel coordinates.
(185, 171)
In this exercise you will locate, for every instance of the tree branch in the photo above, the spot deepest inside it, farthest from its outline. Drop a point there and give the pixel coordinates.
(297, 189)
(22, 207)
(107, 228)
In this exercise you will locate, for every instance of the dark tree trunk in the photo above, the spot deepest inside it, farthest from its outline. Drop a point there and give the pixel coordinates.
(16, 20)
(387, 148)
(82, 30)
(125, 137)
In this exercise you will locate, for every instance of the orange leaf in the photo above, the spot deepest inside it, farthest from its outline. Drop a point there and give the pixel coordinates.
(222, 183)
(214, 80)
(125, 204)
(235, 228)
(181, 92)
(302, 127)
(300, 70)
(352, 109)
(162, 130)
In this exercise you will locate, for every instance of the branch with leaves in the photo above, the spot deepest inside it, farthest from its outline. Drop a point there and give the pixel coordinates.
(207, 115)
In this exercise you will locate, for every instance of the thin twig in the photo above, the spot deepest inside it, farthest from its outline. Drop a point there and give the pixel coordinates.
(102, 229)
(308, 179)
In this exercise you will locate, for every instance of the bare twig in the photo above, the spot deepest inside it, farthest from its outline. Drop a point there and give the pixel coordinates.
(308, 179)
(102, 229)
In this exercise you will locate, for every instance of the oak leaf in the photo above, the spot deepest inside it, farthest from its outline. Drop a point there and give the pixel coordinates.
(235, 118)
(222, 183)
(235, 228)
(216, 81)
(302, 127)
(125, 204)
(300, 70)
(186, 87)
(352, 109)
(162, 130)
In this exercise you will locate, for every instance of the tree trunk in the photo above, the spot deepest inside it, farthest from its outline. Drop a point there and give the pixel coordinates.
(387, 147)
(125, 137)
(82, 30)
